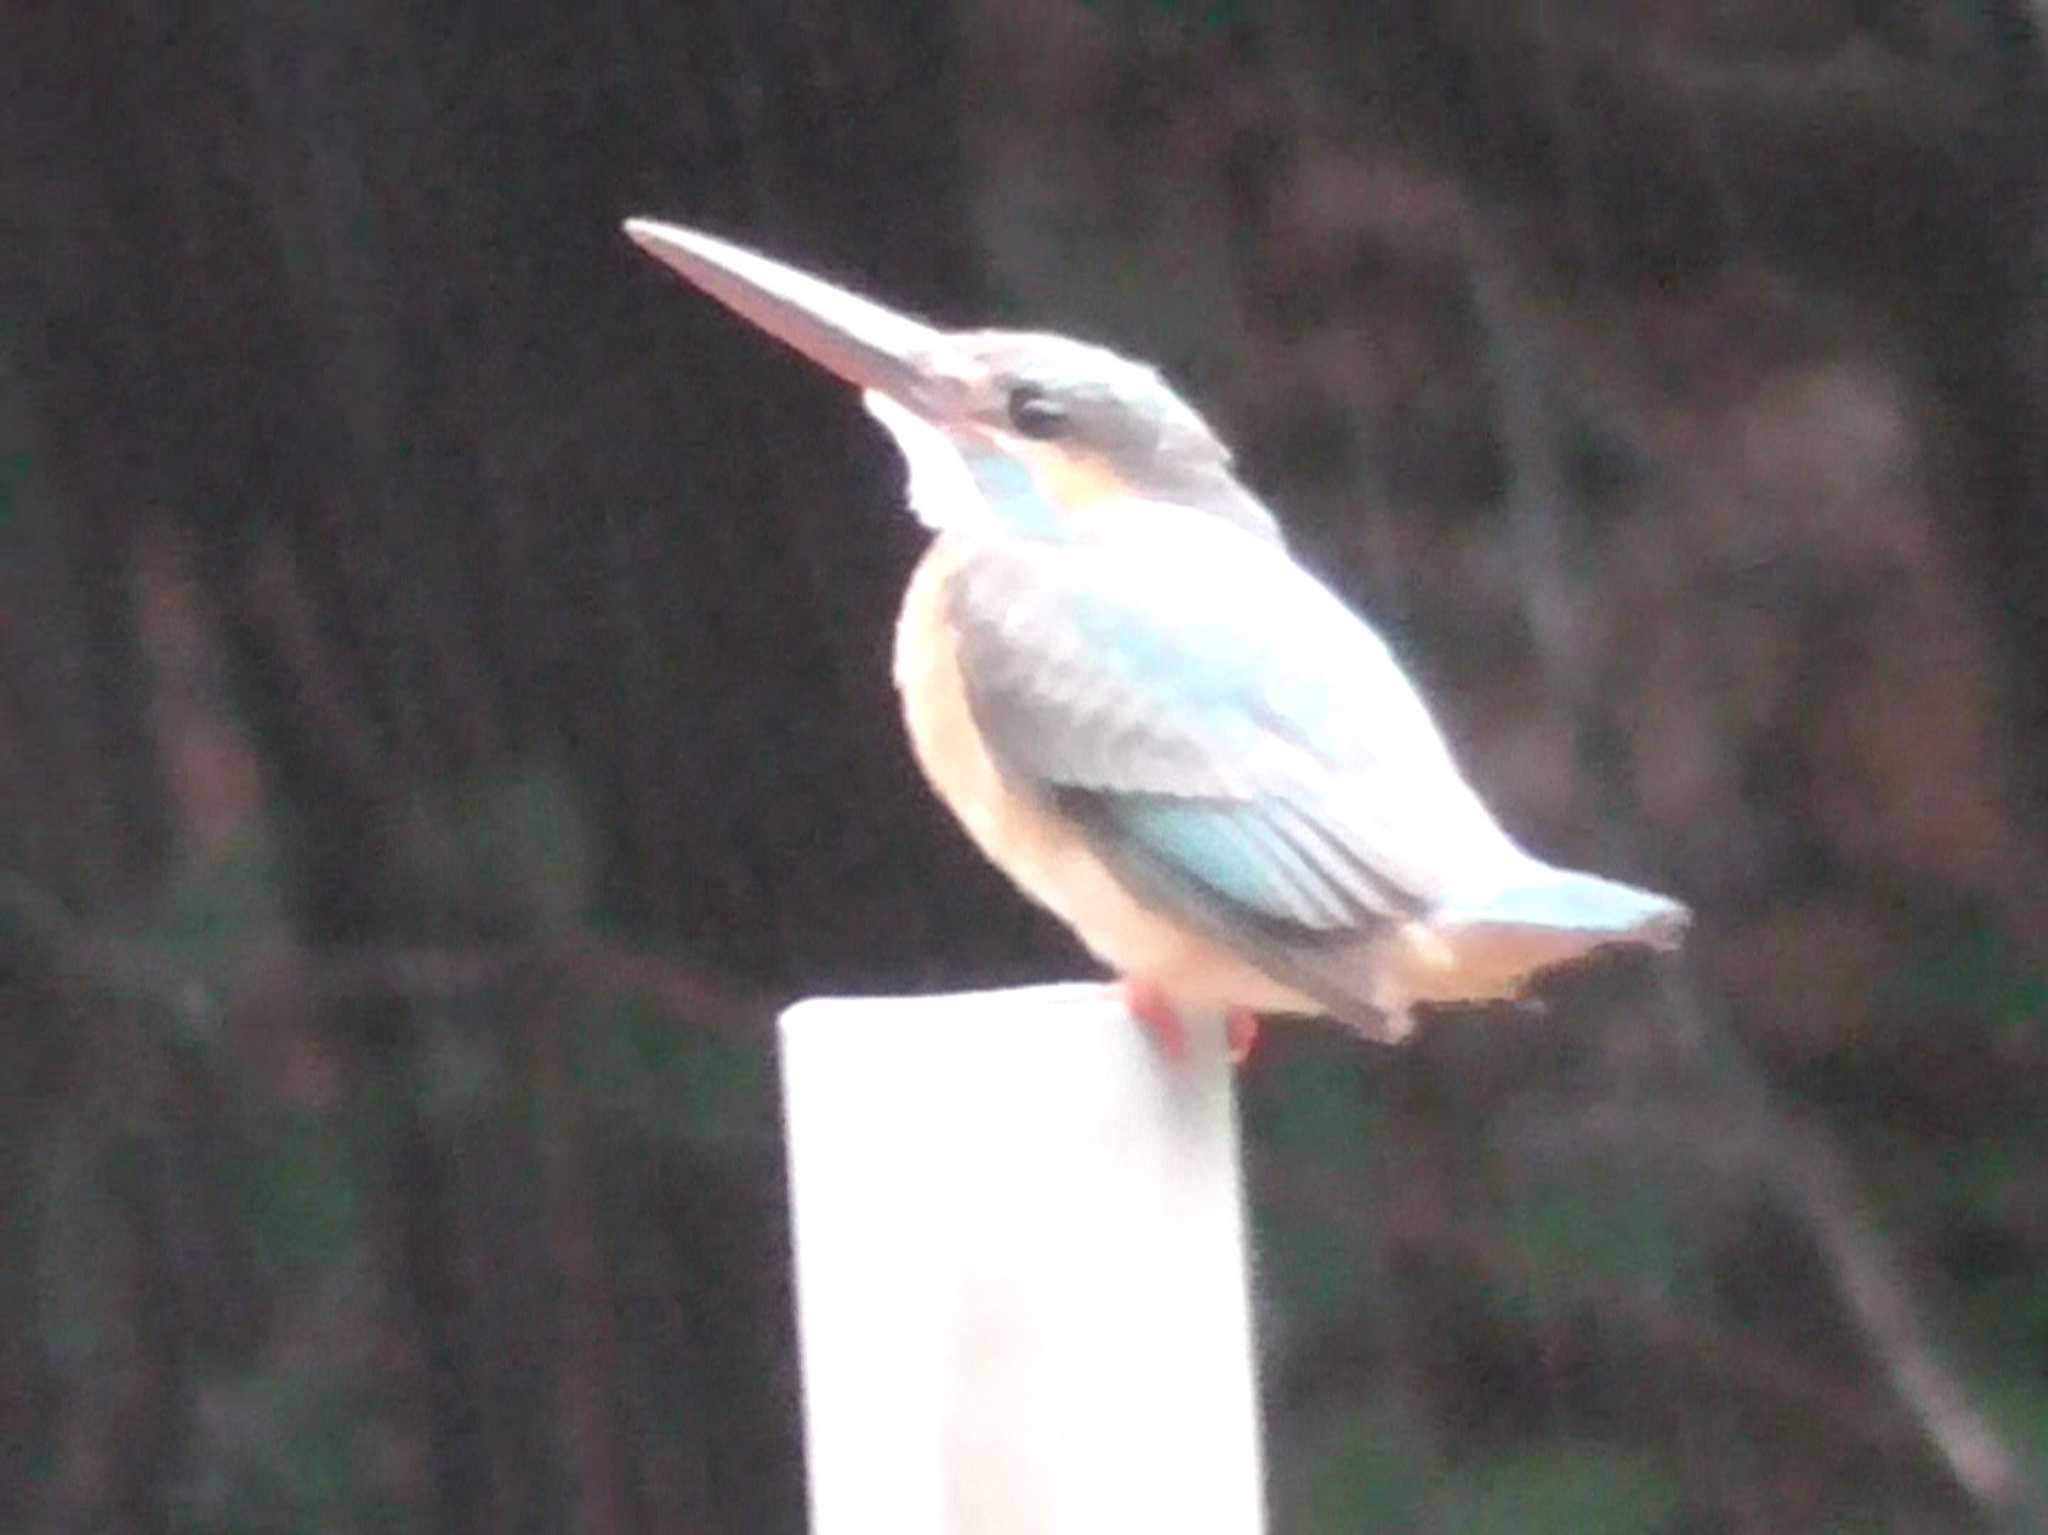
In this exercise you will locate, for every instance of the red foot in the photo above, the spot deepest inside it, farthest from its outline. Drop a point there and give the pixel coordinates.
(1241, 1031)
(1151, 1006)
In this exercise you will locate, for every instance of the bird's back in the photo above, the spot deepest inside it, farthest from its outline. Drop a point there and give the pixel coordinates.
(1218, 776)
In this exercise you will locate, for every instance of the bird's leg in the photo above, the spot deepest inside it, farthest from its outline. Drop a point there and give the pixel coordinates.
(1151, 1006)
(1241, 1031)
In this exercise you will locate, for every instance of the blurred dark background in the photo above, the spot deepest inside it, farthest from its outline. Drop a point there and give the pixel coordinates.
(444, 709)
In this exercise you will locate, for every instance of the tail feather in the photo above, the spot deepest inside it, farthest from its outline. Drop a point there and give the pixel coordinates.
(1567, 901)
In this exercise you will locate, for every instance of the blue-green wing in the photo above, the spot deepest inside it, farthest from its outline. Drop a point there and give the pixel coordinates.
(1234, 741)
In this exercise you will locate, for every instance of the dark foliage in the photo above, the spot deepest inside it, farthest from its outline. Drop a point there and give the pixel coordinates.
(443, 708)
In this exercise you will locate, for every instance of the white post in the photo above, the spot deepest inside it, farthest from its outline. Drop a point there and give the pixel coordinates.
(1021, 1269)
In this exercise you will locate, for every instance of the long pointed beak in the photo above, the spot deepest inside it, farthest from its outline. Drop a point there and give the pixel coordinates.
(859, 340)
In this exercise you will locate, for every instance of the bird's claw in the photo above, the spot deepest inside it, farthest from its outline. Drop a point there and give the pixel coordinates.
(1241, 1033)
(1149, 1003)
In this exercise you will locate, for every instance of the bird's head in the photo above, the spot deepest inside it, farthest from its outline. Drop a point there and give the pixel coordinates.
(1029, 432)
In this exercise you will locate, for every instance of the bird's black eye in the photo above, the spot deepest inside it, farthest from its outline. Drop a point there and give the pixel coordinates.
(1035, 413)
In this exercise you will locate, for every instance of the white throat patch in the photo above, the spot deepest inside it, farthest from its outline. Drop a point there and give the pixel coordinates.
(942, 491)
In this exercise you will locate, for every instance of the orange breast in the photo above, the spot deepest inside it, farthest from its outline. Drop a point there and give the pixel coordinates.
(1024, 836)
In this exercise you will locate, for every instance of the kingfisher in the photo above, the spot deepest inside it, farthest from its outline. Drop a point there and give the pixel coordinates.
(1146, 712)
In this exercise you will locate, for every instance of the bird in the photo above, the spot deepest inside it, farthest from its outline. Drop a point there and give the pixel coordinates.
(1147, 712)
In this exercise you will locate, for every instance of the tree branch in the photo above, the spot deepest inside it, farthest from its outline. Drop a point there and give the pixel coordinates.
(1802, 1165)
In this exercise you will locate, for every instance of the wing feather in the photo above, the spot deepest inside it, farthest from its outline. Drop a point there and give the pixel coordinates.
(1229, 736)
